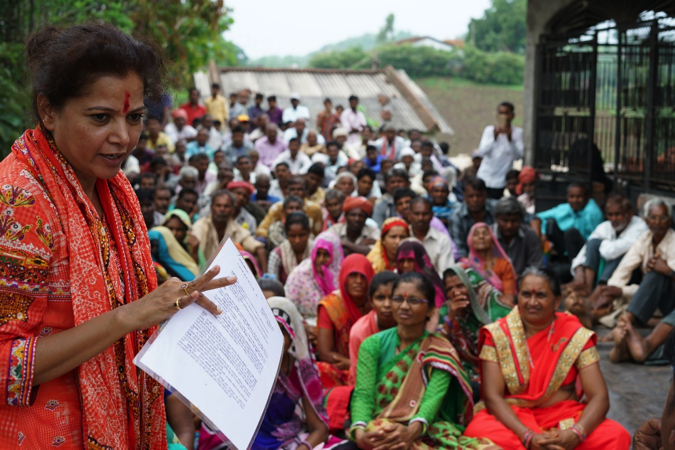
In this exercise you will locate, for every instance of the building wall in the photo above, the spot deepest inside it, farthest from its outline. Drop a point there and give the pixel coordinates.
(539, 13)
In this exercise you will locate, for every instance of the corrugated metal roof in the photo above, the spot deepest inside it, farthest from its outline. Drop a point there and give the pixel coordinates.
(314, 85)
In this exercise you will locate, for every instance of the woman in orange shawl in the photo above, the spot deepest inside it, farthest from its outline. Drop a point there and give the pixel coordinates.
(78, 290)
(336, 314)
(532, 363)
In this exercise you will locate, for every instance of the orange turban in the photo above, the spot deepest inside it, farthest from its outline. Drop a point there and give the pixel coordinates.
(357, 202)
(527, 175)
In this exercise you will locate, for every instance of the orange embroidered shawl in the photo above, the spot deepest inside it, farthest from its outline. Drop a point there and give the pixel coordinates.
(120, 406)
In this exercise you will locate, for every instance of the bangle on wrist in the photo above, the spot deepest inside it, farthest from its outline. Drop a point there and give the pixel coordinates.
(526, 439)
(309, 446)
(579, 431)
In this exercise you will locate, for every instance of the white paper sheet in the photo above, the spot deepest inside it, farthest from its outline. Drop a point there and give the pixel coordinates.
(224, 367)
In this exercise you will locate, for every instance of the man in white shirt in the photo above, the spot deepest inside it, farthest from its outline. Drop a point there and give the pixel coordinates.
(300, 131)
(609, 241)
(353, 121)
(215, 137)
(436, 243)
(500, 146)
(333, 161)
(298, 162)
(296, 111)
(179, 129)
(390, 145)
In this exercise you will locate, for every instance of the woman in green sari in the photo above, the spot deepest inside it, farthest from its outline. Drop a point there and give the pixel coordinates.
(411, 390)
(472, 303)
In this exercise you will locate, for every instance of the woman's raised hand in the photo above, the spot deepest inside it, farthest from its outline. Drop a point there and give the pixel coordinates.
(174, 295)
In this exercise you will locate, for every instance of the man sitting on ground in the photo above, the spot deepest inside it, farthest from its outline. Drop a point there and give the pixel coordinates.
(437, 244)
(238, 147)
(298, 162)
(315, 176)
(519, 241)
(607, 244)
(242, 192)
(476, 208)
(655, 252)
(211, 230)
(282, 174)
(385, 208)
(261, 196)
(355, 234)
(568, 226)
(332, 209)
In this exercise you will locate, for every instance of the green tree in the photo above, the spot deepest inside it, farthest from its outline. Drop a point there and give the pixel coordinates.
(353, 58)
(502, 28)
(419, 61)
(387, 30)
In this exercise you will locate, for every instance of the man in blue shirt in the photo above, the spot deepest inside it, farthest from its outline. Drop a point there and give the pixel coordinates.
(569, 225)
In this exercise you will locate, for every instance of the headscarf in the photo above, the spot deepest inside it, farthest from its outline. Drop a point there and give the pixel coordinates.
(413, 249)
(378, 255)
(357, 202)
(249, 258)
(241, 184)
(445, 211)
(354, 263)
(288, 316)
(187, 221)
(112, 415)
(527, 175)
(478, 264)
(171, 255)
(287, 255)
(304, 286)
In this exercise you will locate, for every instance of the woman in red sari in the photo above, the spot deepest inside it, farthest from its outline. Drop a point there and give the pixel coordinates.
(78, 296)
(532, 363)
(336, 315)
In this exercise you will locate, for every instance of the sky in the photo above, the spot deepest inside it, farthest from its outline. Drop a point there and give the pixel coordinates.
(297, 27)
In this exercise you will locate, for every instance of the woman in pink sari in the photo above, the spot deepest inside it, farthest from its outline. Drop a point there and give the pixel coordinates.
(489, 259)
(315, 277)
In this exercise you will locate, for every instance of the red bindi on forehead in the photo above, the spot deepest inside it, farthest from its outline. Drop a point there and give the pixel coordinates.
(126, 101)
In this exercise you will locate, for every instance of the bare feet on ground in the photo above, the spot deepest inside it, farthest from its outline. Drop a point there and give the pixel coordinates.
(620, 351)
(636, 343)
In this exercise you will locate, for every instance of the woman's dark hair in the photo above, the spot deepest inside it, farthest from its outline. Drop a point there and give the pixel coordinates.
(423, 283)
(64, 62)
(381, 279)
(274, 286)
(292, 199)
(297, 218)
(545, 273)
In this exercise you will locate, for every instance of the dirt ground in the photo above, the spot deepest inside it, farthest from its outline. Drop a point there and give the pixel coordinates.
(469, 108)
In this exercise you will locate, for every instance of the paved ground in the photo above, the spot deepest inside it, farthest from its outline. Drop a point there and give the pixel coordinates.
(636, 392)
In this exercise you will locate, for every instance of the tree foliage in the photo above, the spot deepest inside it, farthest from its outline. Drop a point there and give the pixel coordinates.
(502, 28)
(189, 32)
(352, 58)
(387, 31)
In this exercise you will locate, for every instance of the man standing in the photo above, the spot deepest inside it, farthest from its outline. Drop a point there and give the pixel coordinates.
(270, 146)
(355, 234)
(192, 107)
(436, 244)
(216, 105)
(519, 241)
(211, 230)
(326, 120)
(353, 121)
(239, 108)
(295, 111)
(255, 111)
(500, 146)
(476, 208)
(274, 113)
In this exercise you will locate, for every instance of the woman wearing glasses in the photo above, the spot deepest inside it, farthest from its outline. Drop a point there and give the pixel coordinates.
(411, 390)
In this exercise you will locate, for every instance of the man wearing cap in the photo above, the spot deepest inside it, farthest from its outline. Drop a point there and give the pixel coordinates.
(270, 146)
(295, 111)
(242, 191)
(216, 104)
(356, 236)
(179, 129)
(353, 121)
(274, 113)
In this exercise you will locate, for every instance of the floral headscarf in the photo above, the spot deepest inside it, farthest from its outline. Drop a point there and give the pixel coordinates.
(413, 249)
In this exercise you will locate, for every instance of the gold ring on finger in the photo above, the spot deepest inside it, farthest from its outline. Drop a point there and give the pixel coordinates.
(185, 287)
(177, 304)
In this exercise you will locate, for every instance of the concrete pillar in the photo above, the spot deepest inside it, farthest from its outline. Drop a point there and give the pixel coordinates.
(539, 13)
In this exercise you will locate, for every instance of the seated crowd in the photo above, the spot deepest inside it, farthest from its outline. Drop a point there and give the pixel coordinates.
(421, 305)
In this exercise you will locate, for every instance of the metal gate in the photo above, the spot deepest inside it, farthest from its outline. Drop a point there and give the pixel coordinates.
(607, 99)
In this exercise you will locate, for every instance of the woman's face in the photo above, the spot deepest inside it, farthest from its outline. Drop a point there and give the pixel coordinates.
(405, 313)
(98, 130)
(382, 302)
(178, 228)
(393, 239)
(454, 288)
(298, 237)
(322, 258)
(481, 239)
(405, 265)
(356, 285)
(536, 301)
(365, 185)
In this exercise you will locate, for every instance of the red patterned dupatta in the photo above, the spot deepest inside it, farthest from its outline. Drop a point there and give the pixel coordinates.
(556, 355)
(122, 407)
